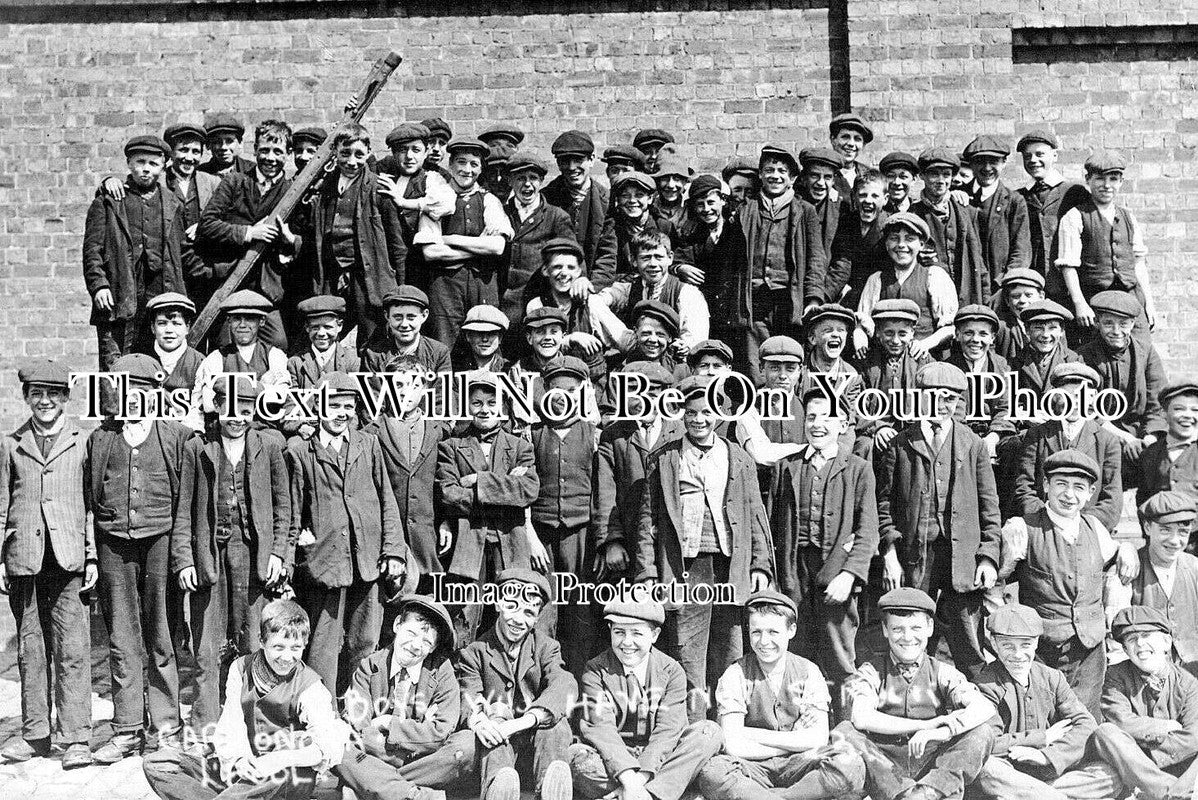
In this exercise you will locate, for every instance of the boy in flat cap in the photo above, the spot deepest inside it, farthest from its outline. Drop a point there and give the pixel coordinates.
(346, 533)
(1046, 348)
(484, 329)
(819, 167)
(899, 169)
(47, 557)
(404, 702)
(246, 315)
(672, 177)
(241, 213)
(503, 139)
(439, 134)
(421, 193)
(955, 243)
(405, 310)
(1041, 728)
(829, 331)
(324, 318)
(1150, 704)
(229, 540)
(1019, 288)
(621, 158)
(1100, 246)
(636, 740)
(1058, 554)
(848, 134)
(906, 277)
(534, 222)
(1048, 197)
(170, 315)
(918, 723)
(938, 514)
(774, 709)
(890, 365)
(743, 181)
(655, 329)
(632, 214)
(975, 329)
(703, 522)
(1171, 462)
(133, 249)
(585, 200)
(1002, 216)
(223, 135)
(650, 142)
(134, 480)
(516, 696)
(306, 141)
(858, 250)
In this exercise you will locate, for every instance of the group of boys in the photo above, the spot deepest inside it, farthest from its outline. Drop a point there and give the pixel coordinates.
(432, 642)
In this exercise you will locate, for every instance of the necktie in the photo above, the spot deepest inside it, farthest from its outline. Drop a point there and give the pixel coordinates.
(939, 434)
(335, 444)
(401, 695)
(818, 460)
(636, 704)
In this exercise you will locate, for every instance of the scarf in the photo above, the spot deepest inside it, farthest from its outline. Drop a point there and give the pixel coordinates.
(265, 679)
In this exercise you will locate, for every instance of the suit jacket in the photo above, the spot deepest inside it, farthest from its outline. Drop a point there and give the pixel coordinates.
(829, 214)
(204, 184)
(588, 219)
(540, 682)
(605, 704)
(725, 268)
(1146, 378)
(523, 257)
(613, 256)
(437, 705)
(1005, 231)
(45, 496)
(306, 373)
(220, 240)
(367, 497)
(997, 410)
(657, 551)
(1043, 218)
(169, 435)
(1034, 374)
(974, 521)
(855, 256)
(1042, 441)
(806, 280)
(621, 463)
(382, 347)
(1048, 699)
(1155, 472)
(1127, 704)
(268, 492)
(965, 263)
(108, 254)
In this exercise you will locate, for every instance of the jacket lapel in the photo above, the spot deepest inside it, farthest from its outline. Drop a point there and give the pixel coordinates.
(27, 443)
(356, 446)
(920, 445)
(668, 465)
(67, 438)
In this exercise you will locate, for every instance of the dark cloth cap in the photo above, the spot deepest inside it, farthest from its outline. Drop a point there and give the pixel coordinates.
(1045, 310)
(986, 145)
(1103, 161)
(899, 308)
(830, 311)
(702, 185)
(407, 132)
(315, 135)
(166, 300)
(223, 123)
(147, 143)
(670, 163)
(738, 166)
(405, 295)
(1038, 137)
(906, 598)
(503, 131)
(528, 576)
(938, 157)
(1072, 462)
(243, 389)
(975, 312)
(899, 159)
(1014, 619)
(1176, 389)
(545, 315)
(1169, 506)
(853, 122)
(912, 222)
(247, 301)
(322, 304)
(1139, 619)
(1071, 372)
(709, 346)
(820, 155)
(562, 244)
(140, 368)
(437, 127)
(45, 373)
(692, 385)
(656, 374)
(469, 145)
(651, 612)
(1022, 276)
(659, 311)
(780, 348)
(648, 136)
(774, 151)
(624, 154)
(1123, 304)
(526, 162)
(573, 143)
(446, 638)
(184, 130)
(338, 382)
(636, 178)
(566, 365)
(941, 375)
(769, 597)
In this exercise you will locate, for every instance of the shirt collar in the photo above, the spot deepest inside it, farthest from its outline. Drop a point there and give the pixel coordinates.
(264, 182)
(326, 438)
(1066, 525)
(1071, 428)
(985, 192)
(413, 670)
(246, 351)
(169, 358)
(641, 671)
(324, 358)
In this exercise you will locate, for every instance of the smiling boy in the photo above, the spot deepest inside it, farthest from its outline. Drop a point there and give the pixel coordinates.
(405, 310)
(633, 215)
(1048, 197)
(900, 170)
(848, 134)
(171, 315)
(858, 250)
(890, 365)
(223, 134)
(1171, 462)
(1002, 214)
(955, 243)
(817, 185)
(586, 201)
(535, 222)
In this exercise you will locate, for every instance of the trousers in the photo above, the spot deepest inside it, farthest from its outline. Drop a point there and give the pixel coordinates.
(700, 742)
(381, 776)
(1003, 780)
(175, 775)
(830, 771)
(947, 767)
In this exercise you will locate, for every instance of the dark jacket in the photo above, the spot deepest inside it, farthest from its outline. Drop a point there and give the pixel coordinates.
(725, 269)
(808, 266)
(1155, 472)
(587, 220)
(1005, 231)
(489, 686)
(613, 257)
(523, 257)
(1042, 441)
(438, 703)
(220, 239)
(170, 436)
(1146, 378)
(1045, 214)
(1126, 703)
(997, 413)
(855, 256)
(382, 347)
(621, 463)
(958, 248)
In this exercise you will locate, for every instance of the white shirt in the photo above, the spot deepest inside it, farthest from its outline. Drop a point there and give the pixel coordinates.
(1072, 428)
(213, 366)
(940, 288)
(641, 671)
(234, 448)
(1070, 529)
(694, 318)
(331, 442)
(1069, 235)
(732, 691)
(265, 184)
(169, 358)
(524, 212)
(1165, 576)
(323, 359)
(344, 181)
(704, 474)
(985, 192)
(402, 690)
(648, 435)
(136, 432)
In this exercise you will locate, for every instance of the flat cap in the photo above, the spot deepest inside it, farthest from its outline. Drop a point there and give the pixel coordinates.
(655, 309)
(45, 373)
(976, 312)
(773, 151)
(184, 130)
(780, 348)
(852, 122)
(769, 597)
(438, 614)
(321, 305)
(573, 143)
(1121, 304)
(906, 598)
(901, 308)
(481, 379)
(173, 300)
(703, 185)
(709, 347)
(545, 315)
(655, 373)
(335, 383)
(221, 122)
(1177, 389)
(669, 162)
(486, 318)
(526, 162)
(1101, 162)
(939, 157)
(147, 143)
(405, 295)
(465, 144)
(633, 178)
(243, 389)
(316, 135)
(986, 145)
(1169, 506)
(738, 166)
(247, 301)
(834, 311)
(1022, 276)
(908, 221)
(437, 127)
(941, 375)
(651, 136)
(651, 612)
(527, 577)
(1015, 620)
(811, 156)
(140, 368)
(1074, 372)
(1045, 310)
(1139, 619)
(569, 366)
(503, 131)
(624, 154)
(407, 132)
(1038, 137)
(692, 385)
(1072, 462)
(562, 244)
(899, 159)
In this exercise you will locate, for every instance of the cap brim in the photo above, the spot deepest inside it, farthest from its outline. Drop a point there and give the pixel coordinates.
(624, 619)
(482, 327)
